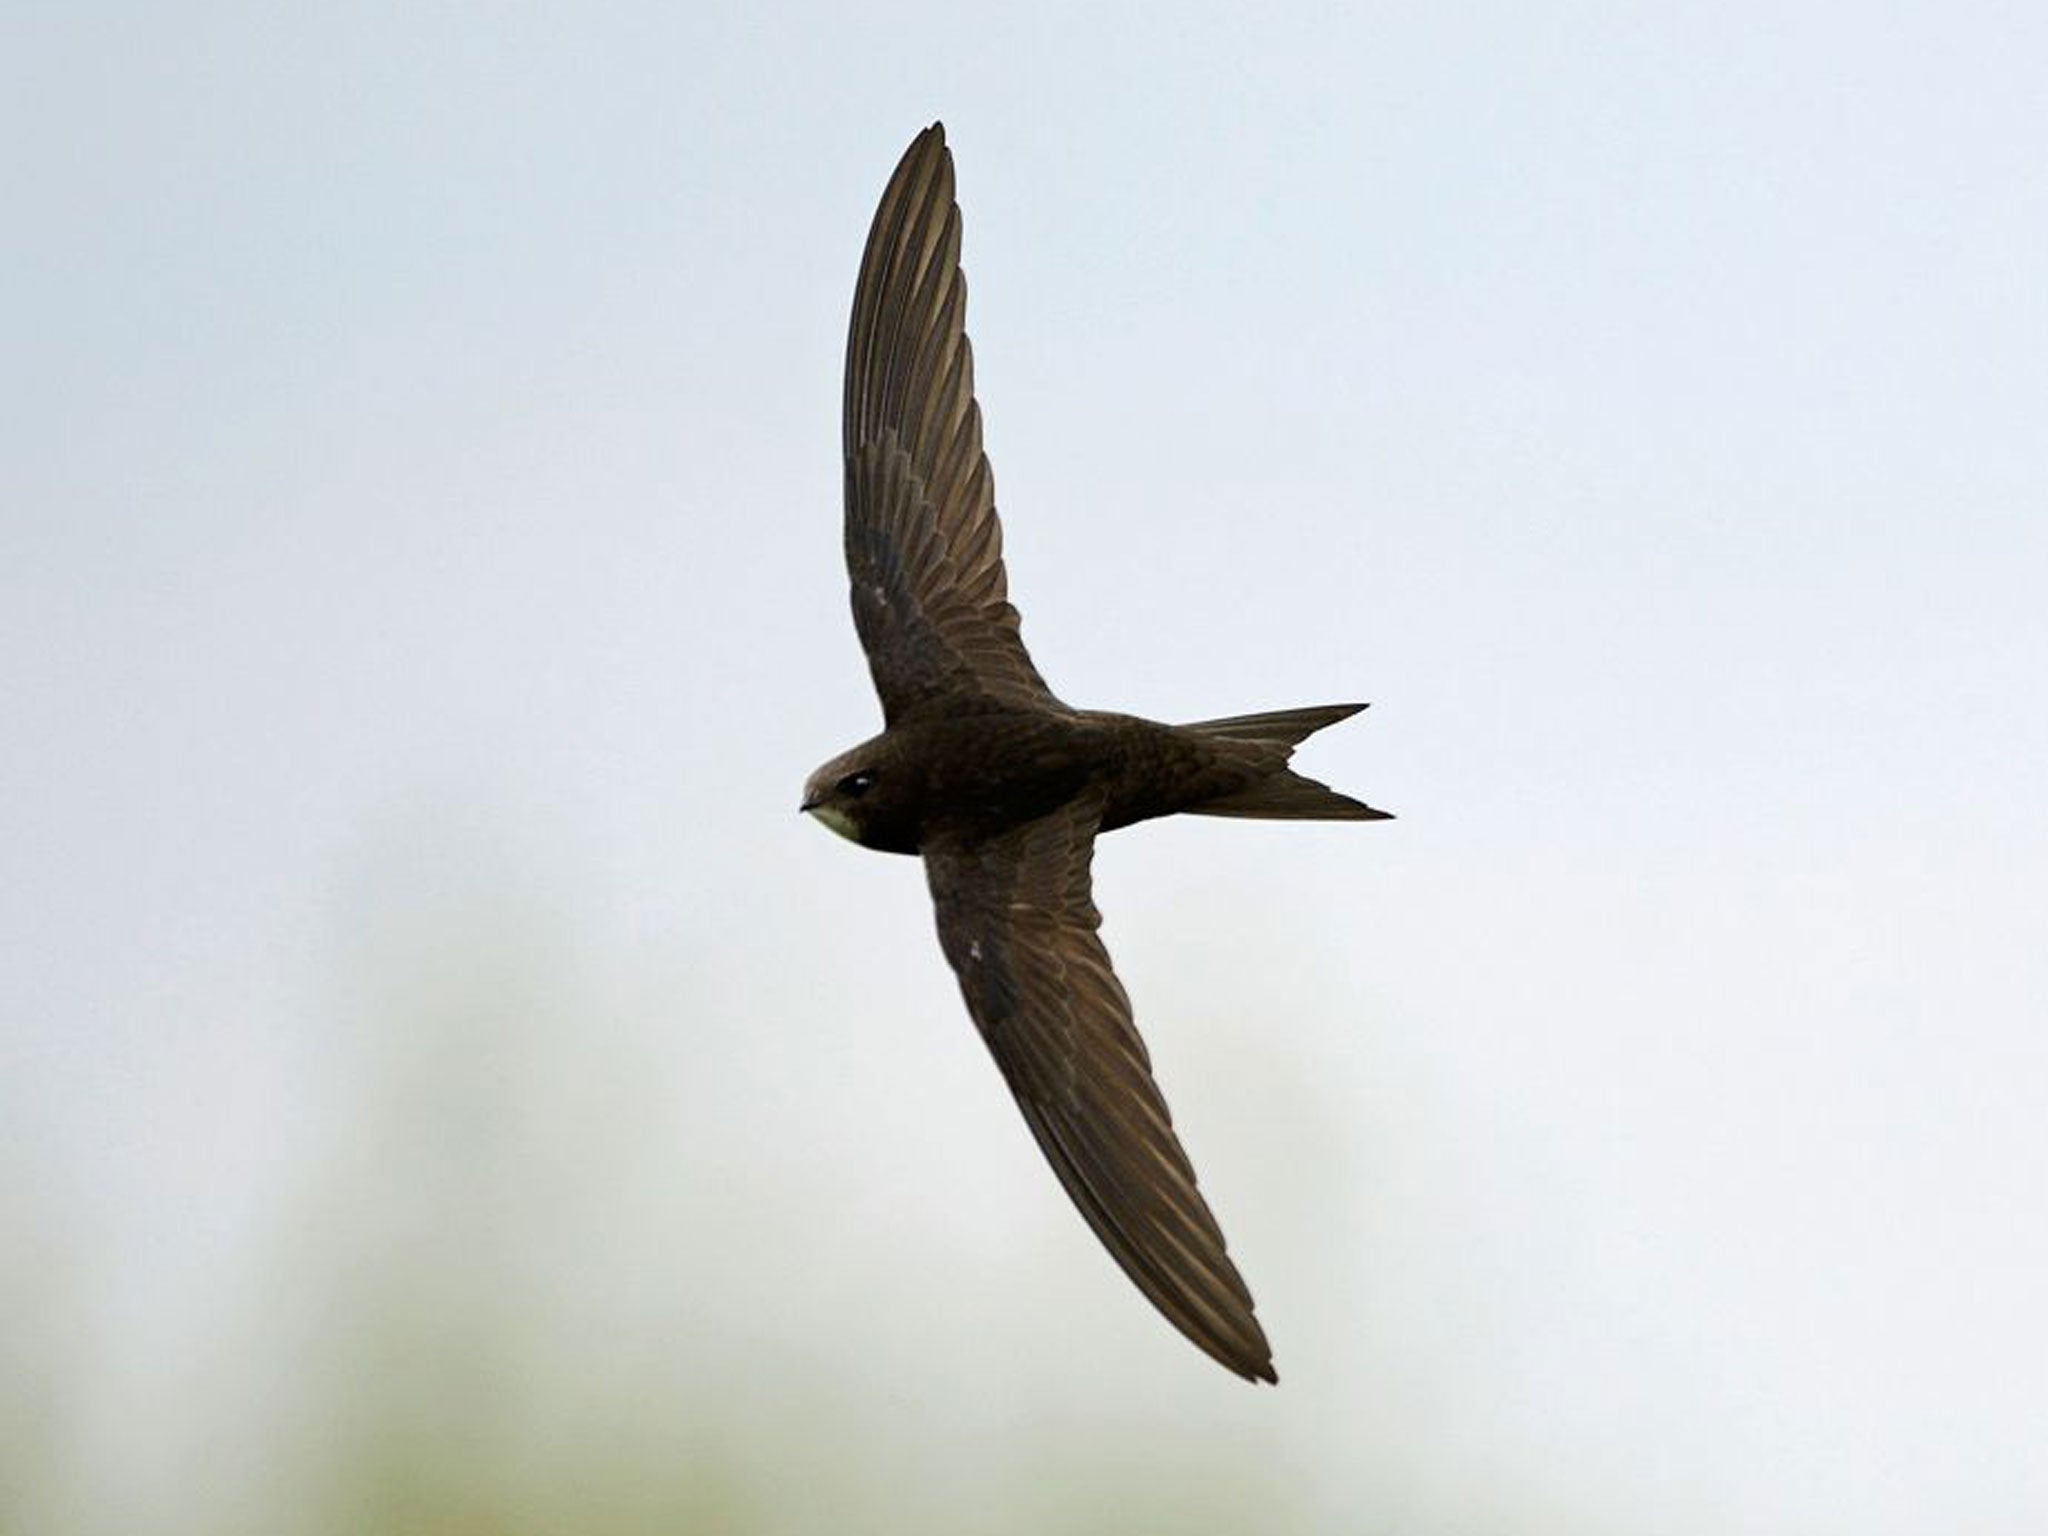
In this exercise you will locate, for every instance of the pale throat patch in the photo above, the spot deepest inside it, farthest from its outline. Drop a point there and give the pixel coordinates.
(837, 820)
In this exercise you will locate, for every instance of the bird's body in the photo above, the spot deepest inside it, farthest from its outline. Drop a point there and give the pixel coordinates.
(1002, 789)
(970, 776)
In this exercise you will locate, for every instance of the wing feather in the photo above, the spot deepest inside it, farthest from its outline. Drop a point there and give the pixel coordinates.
(1018, 923)
(924, 548)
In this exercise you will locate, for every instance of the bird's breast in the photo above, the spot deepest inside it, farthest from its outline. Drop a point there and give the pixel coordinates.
(981, 774)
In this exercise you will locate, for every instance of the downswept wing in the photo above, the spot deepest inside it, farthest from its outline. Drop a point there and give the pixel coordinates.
(923, 546)
(1018, 924)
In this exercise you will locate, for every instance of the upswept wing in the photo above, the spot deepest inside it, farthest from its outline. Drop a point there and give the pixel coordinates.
(1018, 923)
(923, 546)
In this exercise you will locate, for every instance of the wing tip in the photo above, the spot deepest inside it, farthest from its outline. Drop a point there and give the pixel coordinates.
(1250, 1358)
(1257, 1372)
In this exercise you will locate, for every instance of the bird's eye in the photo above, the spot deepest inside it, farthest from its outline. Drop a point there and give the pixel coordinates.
(856, 784)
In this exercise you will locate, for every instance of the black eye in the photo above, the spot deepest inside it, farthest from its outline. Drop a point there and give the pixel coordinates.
(855, 785)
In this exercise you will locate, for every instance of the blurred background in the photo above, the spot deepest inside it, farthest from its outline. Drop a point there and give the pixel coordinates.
(444, 1087)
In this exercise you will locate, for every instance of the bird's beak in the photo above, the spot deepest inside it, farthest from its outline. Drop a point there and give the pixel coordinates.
(810, 804)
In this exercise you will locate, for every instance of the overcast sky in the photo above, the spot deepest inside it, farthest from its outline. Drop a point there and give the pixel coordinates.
(420, 605)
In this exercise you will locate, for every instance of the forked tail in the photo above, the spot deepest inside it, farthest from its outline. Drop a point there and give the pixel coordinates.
(1264, 743)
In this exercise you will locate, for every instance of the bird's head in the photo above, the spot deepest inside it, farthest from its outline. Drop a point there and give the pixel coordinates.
(846, 793)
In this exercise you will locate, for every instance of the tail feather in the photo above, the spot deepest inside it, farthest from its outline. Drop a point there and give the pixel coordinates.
(1282, 727)
(1287, 796)
(1282, 794)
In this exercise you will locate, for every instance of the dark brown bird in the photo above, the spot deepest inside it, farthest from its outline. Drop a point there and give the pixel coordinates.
(1002, 788)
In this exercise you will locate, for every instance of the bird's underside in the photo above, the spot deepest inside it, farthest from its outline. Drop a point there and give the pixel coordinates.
(1003, 789)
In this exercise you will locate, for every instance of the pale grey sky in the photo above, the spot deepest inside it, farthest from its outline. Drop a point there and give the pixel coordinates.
(420, 605)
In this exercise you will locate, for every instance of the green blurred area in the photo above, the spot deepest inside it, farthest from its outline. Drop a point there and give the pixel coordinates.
(494, 1301)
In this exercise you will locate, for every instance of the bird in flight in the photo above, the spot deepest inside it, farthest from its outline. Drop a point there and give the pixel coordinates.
(1002, 789)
